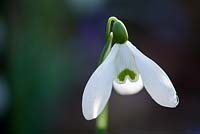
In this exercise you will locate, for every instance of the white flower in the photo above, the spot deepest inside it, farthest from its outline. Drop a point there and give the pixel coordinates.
(127, 70)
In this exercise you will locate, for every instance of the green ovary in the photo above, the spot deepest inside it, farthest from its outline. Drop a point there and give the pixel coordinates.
(122, 75)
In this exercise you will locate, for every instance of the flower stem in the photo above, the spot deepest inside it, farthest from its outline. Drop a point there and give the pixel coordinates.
(106, 48)
(108, 26)
(102, 120)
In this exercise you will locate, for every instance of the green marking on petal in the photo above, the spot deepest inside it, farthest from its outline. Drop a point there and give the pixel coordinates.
(122, 75)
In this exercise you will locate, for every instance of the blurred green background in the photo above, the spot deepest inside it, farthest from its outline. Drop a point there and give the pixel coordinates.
(49, 49)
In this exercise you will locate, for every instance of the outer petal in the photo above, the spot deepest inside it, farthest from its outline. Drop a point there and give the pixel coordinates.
(99, 86)
(129, 87)
(155, 80)
(124, 59)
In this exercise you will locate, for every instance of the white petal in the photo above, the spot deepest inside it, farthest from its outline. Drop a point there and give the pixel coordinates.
(99, 86)
(155, 80)
(128, 87)
(124, 59)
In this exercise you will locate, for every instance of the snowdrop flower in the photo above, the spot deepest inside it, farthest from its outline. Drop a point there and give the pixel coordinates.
(127, 69)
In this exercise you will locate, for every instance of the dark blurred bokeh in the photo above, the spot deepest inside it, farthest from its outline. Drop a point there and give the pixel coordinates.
(49, 49)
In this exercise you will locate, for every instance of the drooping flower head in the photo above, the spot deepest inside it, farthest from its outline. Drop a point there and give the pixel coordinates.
(128, 70)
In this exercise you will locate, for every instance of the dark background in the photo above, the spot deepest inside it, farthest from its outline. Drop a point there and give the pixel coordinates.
(49, 49)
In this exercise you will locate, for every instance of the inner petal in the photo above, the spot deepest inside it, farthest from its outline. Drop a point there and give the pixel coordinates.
(128, 86)
(128, 80)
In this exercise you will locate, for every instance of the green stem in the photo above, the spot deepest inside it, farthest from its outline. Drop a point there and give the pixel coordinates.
(108, 26)
(106, 48)
(102, 122)
(102, 119)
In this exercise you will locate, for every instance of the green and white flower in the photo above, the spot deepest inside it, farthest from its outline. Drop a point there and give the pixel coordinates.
(127, 70)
